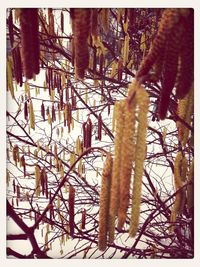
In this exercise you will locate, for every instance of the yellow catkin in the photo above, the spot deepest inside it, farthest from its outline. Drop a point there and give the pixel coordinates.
(126, 49)
(114, 69)
(125, 26)
(181, 112)
(104, 202)
(188, 116)
(9, 77)
(127, 156)
(77, 115)
(143, 42)
(177, 170)
(31, 115)
(184, 165)
(27, 89)
(164, 133)
(180, 196)
(7, 177)
(140, 153)
(62, 173)
(37, 181)
(190, 187)
(72, 158)
(185, 111)
(114, 198)
(49, 119)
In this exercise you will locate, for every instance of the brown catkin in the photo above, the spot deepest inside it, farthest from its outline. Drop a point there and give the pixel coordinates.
(29, 26)
(127, 156)
(185, 75)
(140, 153)
(104, 202)
(83, 219)
(71, 209)
(10, 28)
(170, 18)
(99, 127)
(94, 24)
(62, 22)
(17, 65)
(169, 70)
(81, 26)
(105, 19)
(15, 153)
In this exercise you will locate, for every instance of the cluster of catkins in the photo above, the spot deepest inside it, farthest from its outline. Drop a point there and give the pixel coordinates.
(172, 55)
(25, 54)
(130, 150)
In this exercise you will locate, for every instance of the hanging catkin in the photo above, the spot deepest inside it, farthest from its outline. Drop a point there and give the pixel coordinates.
(142, 100)
(30, 41)
(104, 203)
(185, 111)
(81, 26)
(83, 219)
(99, 131)
(17, 65)
(71, 209)
(127, 156)
(105, 19)
(10, 27)
(15, 153)
(37, 180)
(31, 115)
(170, 18)
(185, 75)
(190, 187)
(62, 22)
(10, 77)
(94, 24)
(180, 196)
(114, 198)
(170, 63)
(126, 49)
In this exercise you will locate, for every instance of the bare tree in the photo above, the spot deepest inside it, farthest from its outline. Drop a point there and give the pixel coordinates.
(63, 80)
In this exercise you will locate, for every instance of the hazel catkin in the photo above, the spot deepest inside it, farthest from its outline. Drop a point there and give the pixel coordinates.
(169, 69)
(29, 26)
(140, 152)
(104, 202)
(127, 157)
(185, 74)
(81, 27)
(114, 197)
(169, 19)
